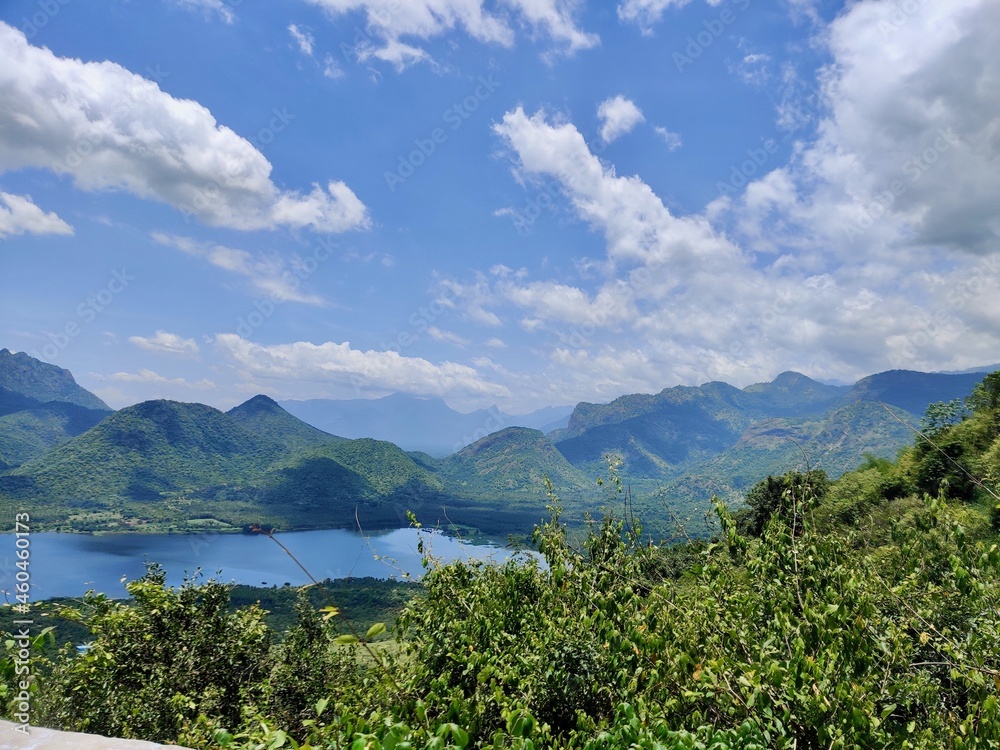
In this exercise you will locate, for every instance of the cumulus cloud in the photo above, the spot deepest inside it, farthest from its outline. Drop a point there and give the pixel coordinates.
(341, 367)
(19, 215)
(270, 275)
(166, 343)
(421, 20)
(109, 128)
(908, 153)
(699, 304)
(618, 116)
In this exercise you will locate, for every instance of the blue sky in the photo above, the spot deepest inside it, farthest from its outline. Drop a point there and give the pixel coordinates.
(521, 202)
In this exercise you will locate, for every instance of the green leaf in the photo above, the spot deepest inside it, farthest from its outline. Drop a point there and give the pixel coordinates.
(374, 630)
(329, 612)
(345, 640)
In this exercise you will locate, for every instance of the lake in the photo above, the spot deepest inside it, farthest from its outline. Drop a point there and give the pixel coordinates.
(70, 564)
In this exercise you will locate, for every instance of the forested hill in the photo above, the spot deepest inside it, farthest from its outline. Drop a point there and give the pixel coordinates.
(171, 466)
(41, 406)
(716, 439)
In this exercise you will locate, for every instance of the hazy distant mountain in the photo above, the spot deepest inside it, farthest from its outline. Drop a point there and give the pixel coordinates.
(41, 406)
(913, 391)
(417, 424)
(984, 369)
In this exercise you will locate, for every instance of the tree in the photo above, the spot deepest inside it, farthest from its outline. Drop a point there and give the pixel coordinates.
(159, 662)
(986, 395)
(775, 495)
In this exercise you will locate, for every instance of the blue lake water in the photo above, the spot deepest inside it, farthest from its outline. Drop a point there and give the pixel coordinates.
(70, 564)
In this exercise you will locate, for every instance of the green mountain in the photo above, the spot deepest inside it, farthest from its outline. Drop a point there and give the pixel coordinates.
(28, 433)
(164, 465)
(147, 449)
(263, 416)
(41, 406)
(23, 374)
(690, 443)
(513, 462)
(167, 465)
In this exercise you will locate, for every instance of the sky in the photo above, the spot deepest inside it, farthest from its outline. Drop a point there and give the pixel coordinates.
(512, 202)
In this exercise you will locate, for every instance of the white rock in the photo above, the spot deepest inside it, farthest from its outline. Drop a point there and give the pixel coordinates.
(39, 738)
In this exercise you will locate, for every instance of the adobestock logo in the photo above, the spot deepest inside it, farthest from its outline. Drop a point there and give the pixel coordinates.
(86, 313)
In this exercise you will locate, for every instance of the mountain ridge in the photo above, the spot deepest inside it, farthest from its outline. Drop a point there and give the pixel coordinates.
(175, 465)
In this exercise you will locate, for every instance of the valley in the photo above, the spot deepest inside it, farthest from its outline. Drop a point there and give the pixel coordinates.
(172, 467)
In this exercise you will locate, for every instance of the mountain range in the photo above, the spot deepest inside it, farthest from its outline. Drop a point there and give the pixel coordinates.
(172, 466)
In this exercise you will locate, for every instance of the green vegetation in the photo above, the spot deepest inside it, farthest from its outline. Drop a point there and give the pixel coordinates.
(163, 466)
(30, 432)
(41, 406)
(23, 375)
(860, 613)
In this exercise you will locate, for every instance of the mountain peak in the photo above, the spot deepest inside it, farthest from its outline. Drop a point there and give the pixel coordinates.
(790, 377)
(257, 405)
(23, 374)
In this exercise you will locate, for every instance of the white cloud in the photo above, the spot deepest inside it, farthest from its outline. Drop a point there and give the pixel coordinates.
(446, 336)
(556, 18)
(148, 376)
(221, 8)
(906, 161)
(421, 20)
(647, 13)
(166, 343)
(553, 301)
(636, 224)
(695, 305)
(338, 366)
(303, 38)
(618, 116)
(331, 68)
(270, 275)
(754, 69)
(19, 215)
(109, 128)
(496, 343)
(673, 140)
